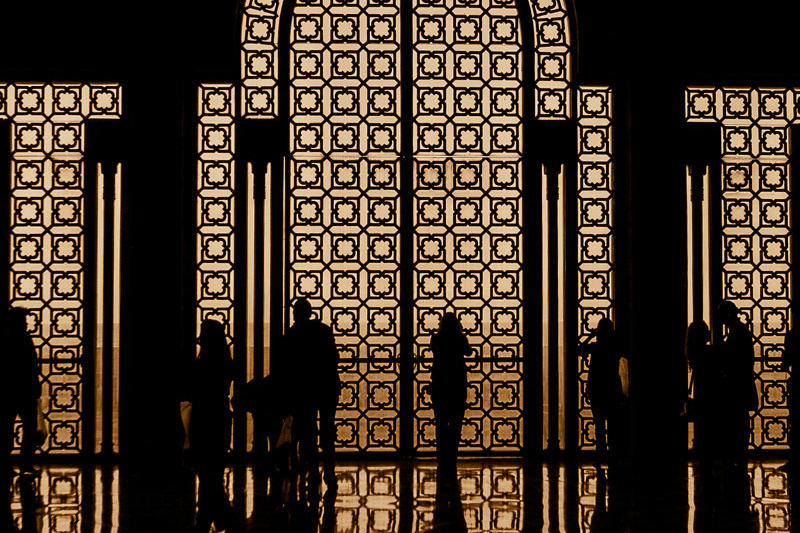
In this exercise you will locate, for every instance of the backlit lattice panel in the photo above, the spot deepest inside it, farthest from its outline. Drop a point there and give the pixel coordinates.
(48, 238)
(756, 230)
(553, 60)
(468, 209)
(343, 201)
(215, 204)
(595, 224)
(259, 58)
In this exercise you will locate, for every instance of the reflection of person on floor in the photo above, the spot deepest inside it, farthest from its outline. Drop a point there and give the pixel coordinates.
(19, 394)
(604, 519)
(29, 496)
(210, 429)
(448, 389)
(311, 366)
(604, 384)
(448, 513)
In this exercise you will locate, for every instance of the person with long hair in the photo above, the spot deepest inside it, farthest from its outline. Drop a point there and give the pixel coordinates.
(604, 383)
(448, 388)
(704, 385)
(210, 427)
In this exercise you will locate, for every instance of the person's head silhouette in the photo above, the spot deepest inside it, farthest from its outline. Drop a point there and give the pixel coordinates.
(212, 334)
(728, 313)
(450, 324)
(17, 320)
(697, 334)
(605, 330)
(302, 310)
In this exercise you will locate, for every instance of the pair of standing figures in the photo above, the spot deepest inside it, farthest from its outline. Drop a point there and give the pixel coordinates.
(724, 389)
(305, 382)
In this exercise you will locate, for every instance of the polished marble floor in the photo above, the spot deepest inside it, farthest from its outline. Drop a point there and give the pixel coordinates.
(408, 497)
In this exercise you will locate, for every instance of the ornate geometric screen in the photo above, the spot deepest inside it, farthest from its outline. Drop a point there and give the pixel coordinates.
(553, 60)
(468, 209)
(756, 229)
(259, 58)
(48, 235)
(215, 204)
(343, 201)
(465, 125)
(595, 232)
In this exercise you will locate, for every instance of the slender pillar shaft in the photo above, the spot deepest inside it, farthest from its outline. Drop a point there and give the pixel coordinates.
(697, 172)
(553, 171)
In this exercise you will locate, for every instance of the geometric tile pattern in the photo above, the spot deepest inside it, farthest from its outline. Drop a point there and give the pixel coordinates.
(595, 235)
(467, 135)
(47, 226)
(259, 58)
(216, 106)
(755, 230)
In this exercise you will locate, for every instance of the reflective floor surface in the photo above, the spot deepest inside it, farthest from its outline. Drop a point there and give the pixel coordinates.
(488, 496)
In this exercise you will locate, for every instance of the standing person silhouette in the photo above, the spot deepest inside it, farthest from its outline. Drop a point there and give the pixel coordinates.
(705, 383)
(738, 388)
(19, 393)
(210, 427)
(312, 366)
(449, 389)
(604, 384)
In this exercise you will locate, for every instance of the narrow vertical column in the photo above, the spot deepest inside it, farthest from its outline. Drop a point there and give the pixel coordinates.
(116, 267)
(106, 254)
(552, 172)
(99, 303)
(697, 173)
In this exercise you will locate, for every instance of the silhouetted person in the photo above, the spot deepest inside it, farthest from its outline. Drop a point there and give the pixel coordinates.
(604, 384)
(210, 427)
(19, 393)
(311, 367)
(705, 384)
(448, 389)
(738, 386)
(265, 399)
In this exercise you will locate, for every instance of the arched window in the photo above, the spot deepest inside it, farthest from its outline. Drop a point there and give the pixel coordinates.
(406, 188)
